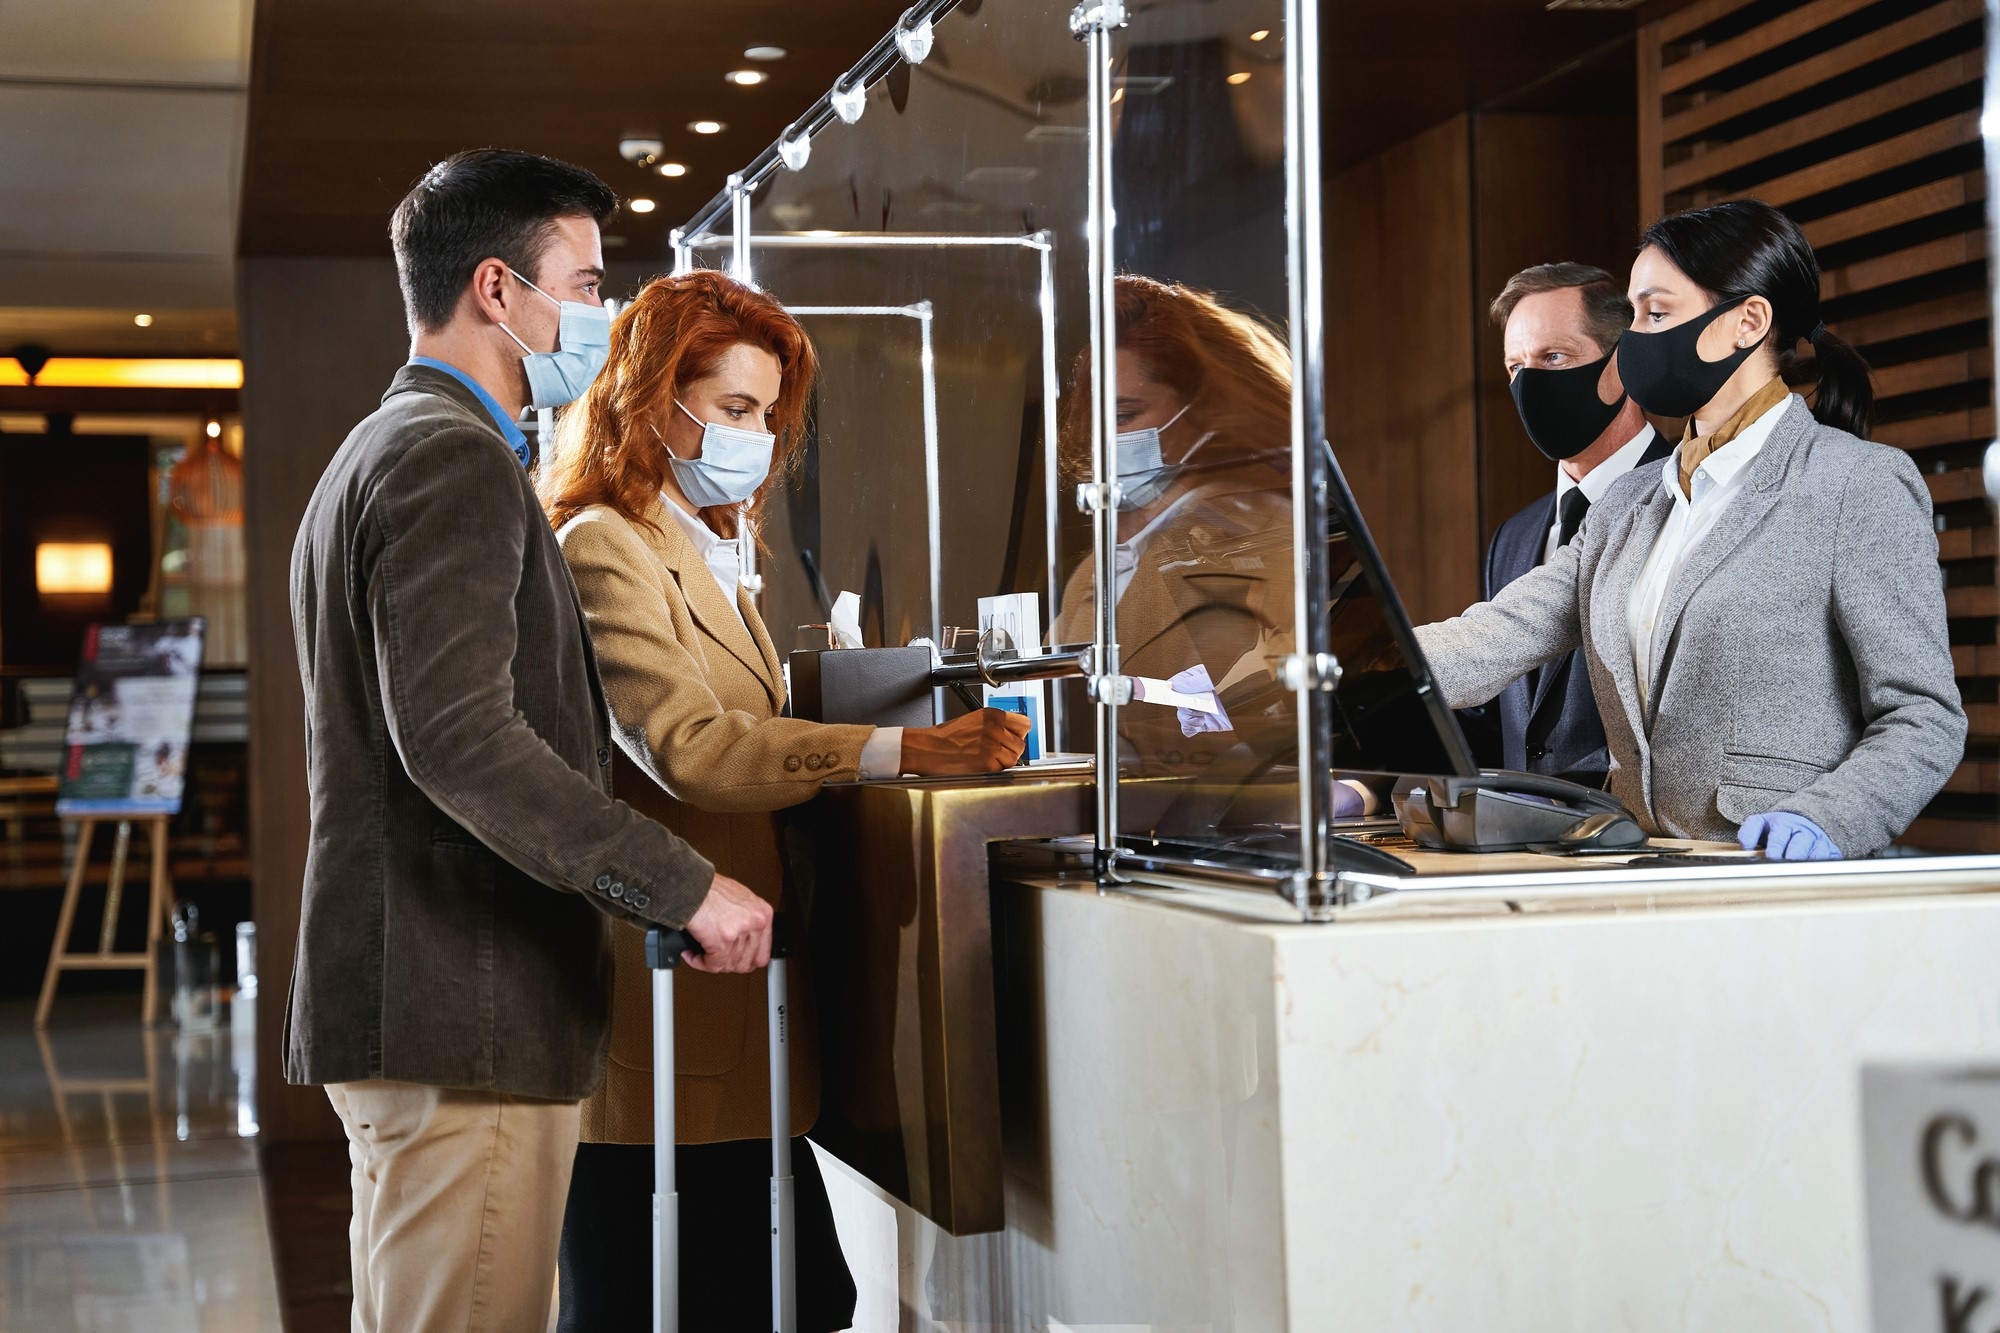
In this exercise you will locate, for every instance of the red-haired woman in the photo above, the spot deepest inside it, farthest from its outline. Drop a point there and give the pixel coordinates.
(1204, 576)
(695, 418)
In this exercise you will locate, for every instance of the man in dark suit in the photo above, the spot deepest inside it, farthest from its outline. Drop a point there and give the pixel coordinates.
(1562, 323)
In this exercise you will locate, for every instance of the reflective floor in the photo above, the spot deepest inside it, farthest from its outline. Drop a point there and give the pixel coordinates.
(129, 1190)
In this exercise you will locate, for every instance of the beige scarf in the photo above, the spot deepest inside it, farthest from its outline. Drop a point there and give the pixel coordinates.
(1694, 452)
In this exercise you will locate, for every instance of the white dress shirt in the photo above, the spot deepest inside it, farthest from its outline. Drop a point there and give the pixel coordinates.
(1595, 482)
(882, 753)
(1716, 482)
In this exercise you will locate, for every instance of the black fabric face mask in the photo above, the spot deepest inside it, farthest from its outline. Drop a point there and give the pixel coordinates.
(1664, 372)
(1561, 408)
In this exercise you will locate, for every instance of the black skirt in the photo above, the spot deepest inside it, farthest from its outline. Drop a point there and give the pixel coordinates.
(725, 1204)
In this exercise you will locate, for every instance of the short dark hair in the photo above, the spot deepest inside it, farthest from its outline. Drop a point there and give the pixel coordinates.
(1605, 307)
(487, 203)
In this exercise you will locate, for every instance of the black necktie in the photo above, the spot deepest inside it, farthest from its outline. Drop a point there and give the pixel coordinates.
(1570, 514)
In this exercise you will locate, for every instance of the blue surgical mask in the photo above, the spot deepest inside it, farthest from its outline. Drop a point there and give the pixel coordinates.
(583, 343)
(731, 466)
(1142, 471)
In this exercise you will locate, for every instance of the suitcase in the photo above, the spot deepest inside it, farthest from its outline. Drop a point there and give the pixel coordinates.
(663, 954)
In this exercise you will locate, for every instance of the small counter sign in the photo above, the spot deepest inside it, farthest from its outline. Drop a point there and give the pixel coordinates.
(1931, 1138)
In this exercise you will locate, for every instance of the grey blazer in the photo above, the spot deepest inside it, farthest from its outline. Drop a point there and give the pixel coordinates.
(1802, 661)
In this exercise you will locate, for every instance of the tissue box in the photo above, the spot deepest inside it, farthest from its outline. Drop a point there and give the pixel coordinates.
(878, 687)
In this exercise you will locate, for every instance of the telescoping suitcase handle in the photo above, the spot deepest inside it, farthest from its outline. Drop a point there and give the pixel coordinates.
(664, 948)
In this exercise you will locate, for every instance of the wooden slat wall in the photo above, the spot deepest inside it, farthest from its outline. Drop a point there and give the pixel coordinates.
(1860, 118)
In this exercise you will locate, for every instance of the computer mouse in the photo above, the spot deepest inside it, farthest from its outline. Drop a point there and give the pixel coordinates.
(1604, 831)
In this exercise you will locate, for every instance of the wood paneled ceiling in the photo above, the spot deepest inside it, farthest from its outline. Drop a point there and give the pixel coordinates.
(351, 100)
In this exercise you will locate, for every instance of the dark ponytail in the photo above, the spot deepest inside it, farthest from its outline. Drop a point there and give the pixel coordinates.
(1747, 248)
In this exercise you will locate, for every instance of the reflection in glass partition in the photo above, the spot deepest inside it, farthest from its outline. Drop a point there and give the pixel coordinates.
(1204, 576)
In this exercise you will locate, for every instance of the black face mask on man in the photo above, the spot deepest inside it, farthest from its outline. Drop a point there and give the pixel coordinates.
(1562, 409)
(1664, 371)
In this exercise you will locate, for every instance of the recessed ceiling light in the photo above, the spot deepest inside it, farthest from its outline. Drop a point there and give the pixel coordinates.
(707, 126)
(143, 321)
(1241, 76)
(214, 430)
(746, 78)
(1260, 34)
(673, 169)
(641, 205)
(764, 53)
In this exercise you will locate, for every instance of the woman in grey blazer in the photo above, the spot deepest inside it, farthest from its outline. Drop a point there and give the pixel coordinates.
(1762, 616)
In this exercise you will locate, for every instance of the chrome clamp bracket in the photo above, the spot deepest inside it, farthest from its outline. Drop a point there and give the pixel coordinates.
(1317, 898)
(1094, 497)
(1317, 671)
(1097, 16)
(1113, 690)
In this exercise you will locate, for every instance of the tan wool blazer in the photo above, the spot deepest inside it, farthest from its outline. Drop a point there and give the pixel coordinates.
(695, 695)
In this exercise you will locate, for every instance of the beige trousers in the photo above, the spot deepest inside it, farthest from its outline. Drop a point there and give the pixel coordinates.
(458, 1205)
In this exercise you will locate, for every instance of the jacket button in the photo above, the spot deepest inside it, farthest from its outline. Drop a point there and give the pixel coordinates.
(603, 758)
(639, 900)
(618, 890)
(831, 761)
(792, 762)
(603, 883)
(1537, 753)
(813, 762)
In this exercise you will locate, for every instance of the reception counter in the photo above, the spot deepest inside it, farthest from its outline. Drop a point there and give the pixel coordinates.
(1512, 1099)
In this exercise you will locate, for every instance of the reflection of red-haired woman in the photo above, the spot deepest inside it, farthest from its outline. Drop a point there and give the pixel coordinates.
(695, 418)
(1204, 582)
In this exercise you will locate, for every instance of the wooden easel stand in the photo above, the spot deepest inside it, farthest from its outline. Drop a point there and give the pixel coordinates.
(105, 959)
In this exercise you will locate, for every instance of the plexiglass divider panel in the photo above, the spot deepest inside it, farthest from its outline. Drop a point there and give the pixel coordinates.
(929, 234)
(1202, 411)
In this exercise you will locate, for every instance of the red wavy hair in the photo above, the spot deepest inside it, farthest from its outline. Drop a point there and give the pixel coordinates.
(673, 333)
(1233, 372)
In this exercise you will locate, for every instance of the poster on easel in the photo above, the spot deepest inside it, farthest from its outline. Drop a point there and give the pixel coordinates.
(125, 750)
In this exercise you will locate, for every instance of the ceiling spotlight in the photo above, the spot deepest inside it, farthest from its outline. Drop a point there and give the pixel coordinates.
(143, 321)
(764, 53)
(641, 205)
(707, 126)
(848, 102)
(672, 169)
(746, 78)
(1260, 34)
(213, 430)
(1241, 76)
(641, 153)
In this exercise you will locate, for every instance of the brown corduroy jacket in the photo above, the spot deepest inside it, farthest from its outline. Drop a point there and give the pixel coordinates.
(695, 696)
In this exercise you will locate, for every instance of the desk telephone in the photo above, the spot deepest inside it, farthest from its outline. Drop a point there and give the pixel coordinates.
(1504, 811)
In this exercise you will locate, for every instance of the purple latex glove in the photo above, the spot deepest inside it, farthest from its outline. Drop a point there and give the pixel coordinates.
(1194, 721)
(1347, 802)
(1787, 837)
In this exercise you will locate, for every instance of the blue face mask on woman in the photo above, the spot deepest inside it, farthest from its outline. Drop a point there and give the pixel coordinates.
(583, 343)
(731, 466)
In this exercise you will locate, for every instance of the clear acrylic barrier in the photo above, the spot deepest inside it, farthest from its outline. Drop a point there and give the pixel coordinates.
(933, 249)
(1205, 607)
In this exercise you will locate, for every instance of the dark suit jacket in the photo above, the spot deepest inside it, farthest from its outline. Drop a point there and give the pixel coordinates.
(1546, 721)
(466, 855)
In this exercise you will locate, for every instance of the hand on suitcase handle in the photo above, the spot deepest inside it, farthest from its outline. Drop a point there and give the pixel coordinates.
(665, 947)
